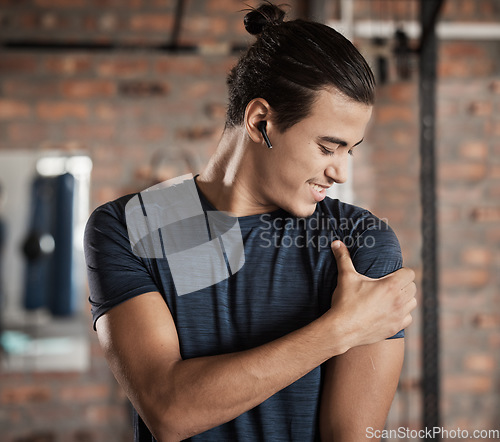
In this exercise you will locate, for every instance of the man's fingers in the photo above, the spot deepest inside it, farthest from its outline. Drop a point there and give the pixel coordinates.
(342, 256)
(401, 277)
(408, 293)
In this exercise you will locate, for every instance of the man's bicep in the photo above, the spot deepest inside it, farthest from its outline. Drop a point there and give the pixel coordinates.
(140, 342)
(358, 389)
(114, 272)
(377, 253)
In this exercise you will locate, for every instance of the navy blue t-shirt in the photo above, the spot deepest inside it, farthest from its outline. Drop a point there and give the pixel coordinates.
(287, 281)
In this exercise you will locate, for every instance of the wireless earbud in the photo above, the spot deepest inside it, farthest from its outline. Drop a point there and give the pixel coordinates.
(262, 128)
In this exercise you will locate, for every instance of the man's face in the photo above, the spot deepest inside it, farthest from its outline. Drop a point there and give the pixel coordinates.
(312, 155)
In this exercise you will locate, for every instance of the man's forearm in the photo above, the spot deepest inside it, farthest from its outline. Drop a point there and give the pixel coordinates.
(201, 393)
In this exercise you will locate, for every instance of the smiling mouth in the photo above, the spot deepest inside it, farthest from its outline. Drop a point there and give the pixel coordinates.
(318, 192)
(317, 187)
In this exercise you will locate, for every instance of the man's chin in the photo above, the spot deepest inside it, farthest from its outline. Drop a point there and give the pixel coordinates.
(303, 212)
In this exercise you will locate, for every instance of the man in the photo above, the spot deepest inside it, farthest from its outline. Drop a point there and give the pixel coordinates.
(292, 345)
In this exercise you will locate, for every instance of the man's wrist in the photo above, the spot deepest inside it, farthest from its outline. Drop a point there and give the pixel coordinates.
(339, 337)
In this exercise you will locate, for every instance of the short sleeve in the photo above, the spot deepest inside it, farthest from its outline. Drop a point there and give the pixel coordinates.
(115, 273)
(375, 250)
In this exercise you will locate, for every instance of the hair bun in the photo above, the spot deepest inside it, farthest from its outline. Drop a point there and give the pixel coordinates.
(265, 15)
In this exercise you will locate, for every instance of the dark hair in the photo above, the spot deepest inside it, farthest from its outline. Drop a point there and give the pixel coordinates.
(289, 63)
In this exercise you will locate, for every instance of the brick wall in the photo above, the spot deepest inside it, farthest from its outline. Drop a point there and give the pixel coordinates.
(145, 116)
(386, 180)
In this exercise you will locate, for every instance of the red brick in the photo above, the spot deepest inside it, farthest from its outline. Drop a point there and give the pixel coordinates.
(462, 171)
(198, 89)
(465, 68)
(468, 8)
(481, 108)
(474, 150)
(446, 109)
(27, 21)
(13, 109)
(486, 8)
(467, 383)
(493, 193)
(28, 133)
(455, 194)
(494, 172)
(456, 89)
(123, 68)
(216, 110)
(152, 22)
(223, 6)
(60, 3)
(486, 214)
(108, 22)
(449, 320)
(392, 114)
(391, 159)
(462, 50)
(492, 128)
(104, 111)
(465, 277)
(84, 393)
(153, 132)
(487, 321)
(55, 111)
(25, 393)
(68, 65)
(180, 65)
(480, 362)
(30, 89)
(449, 214)
(205, 26)
(406, 138)
(495, 86)
(50, 21)
(17, 64)
(403, 92)
(87, 88)
(104, 414)
(91, 132)
(477, 256)
(197, 133)
(57, 376)
(494, 339)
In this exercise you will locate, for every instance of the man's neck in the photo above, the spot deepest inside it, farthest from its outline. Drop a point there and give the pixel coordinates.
(229, 181)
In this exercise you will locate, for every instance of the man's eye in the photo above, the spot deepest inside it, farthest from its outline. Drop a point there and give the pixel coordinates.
(326, 151)
(350, 152)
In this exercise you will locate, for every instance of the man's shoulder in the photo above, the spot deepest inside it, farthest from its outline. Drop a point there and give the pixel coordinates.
(114, 208)
(360, 229)
(345, 216)
(108, 217)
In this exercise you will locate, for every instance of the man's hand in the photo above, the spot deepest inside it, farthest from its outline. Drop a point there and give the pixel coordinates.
(371, 310)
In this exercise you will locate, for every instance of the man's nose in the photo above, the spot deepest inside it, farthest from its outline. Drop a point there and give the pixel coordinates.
(338, 171)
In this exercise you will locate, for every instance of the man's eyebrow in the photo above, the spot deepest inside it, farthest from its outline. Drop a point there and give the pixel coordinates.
(335, 140)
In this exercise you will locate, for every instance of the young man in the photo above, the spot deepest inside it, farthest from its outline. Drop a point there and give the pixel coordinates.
(292, 344)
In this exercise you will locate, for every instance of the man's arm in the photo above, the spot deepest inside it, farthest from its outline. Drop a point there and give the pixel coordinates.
(179, 398)
(358, 389)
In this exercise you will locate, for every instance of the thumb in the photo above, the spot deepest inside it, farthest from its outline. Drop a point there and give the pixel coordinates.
(343, 258)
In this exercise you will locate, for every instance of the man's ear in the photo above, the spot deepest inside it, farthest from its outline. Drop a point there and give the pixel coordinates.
(257, 110)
